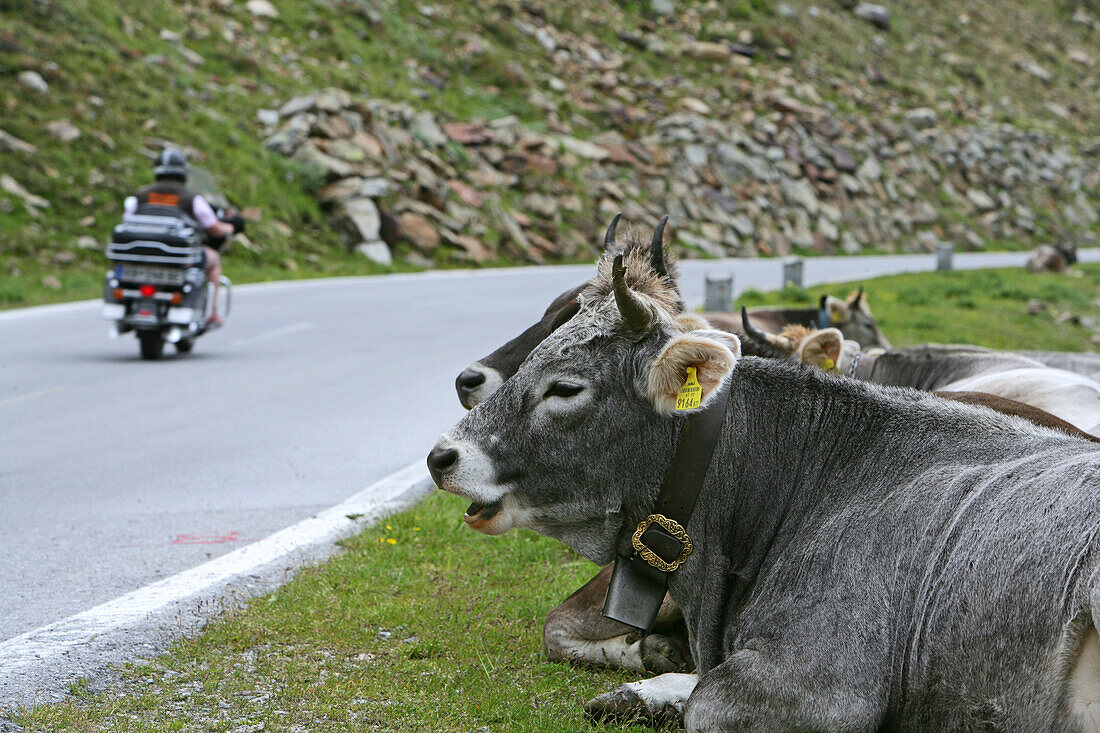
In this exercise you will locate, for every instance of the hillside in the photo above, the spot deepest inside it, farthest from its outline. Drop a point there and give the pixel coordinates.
(509, 132)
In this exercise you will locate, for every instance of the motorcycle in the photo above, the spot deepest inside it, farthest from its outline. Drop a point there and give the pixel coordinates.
(157, 286)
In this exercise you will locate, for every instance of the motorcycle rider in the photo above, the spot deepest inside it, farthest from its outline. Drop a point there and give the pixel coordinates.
(169, 189)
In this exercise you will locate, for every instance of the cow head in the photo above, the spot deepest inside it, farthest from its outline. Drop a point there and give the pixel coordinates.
(853, 318)
(481, 378)
(538, 452)
(825, 348)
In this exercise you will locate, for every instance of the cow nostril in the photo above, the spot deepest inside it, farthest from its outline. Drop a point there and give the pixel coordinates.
(441, 460)
(469, 380)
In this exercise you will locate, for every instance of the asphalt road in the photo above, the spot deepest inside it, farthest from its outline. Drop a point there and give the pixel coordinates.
(116, 472)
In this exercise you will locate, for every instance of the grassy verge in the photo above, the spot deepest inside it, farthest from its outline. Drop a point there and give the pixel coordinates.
(423, 625)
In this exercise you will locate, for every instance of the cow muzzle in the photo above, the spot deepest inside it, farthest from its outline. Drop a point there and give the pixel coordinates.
(476, 383)
(466, 471)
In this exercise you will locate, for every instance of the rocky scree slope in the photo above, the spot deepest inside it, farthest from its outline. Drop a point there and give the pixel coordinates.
(471, 132)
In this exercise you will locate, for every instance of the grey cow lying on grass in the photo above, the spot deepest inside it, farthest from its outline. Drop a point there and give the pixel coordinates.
(576, 630)
(864, 556)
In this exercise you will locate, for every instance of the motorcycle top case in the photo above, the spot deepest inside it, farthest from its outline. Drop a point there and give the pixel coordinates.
(156, 239)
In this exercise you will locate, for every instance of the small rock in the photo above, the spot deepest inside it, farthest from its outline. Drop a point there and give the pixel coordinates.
(51, 282)
(376, 252)
(707, 51)
(799, 193)
(469, 195)
(374, 188)
(474, 248)
(875, 14)
(34, 81)
(583, 148)
(843, 160)
(65, 257)
(662, 7)
(297, 105)
(87, 221)
(193, 58)
(331, 168)
(418, 231)
(358, 220)
(980, 199)
(332, 100)
(340, 190)
(1036, 306)
(468, 133)
(12, 144)
(33, 202)
(1078, 56)
(1040, 73)
(425, 127)
(86, 241)
(262, 8)
(63, 130)
(268, 117)
(870, 170)
(921, 118)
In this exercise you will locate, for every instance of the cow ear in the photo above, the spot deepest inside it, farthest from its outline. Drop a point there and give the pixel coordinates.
(691, 322)
(822, 349)
(838, 310)
(712, 353)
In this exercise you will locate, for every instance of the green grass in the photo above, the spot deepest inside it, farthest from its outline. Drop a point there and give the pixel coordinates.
(424, 625)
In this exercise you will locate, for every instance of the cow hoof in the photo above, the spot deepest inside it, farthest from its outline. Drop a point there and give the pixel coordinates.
(661, 654)
(624, 705)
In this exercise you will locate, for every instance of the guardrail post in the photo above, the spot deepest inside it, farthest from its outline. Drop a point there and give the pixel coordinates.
(792, 272)
(718, 291)
(945, 256)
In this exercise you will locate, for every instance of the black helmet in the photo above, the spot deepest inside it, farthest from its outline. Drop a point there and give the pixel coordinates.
(171, 163)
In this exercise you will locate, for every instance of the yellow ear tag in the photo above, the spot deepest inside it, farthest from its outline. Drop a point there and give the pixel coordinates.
(691, 394)
(827, 364)
(837, 316)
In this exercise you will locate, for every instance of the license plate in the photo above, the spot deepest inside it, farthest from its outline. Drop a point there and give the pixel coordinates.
(144, 311)
(152, 275)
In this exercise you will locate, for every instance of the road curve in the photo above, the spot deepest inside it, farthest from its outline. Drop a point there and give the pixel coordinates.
(115, 472)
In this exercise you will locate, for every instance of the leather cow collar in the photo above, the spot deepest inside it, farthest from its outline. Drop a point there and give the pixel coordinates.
(661, 542)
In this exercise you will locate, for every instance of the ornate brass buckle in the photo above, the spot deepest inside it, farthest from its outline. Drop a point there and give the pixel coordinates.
(674, 529)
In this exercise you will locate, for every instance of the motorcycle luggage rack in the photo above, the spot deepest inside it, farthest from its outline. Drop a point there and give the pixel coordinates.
(161, 240)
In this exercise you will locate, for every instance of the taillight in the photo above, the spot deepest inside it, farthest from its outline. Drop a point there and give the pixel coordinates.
(177, 298)
(117, 293)
(147, 291)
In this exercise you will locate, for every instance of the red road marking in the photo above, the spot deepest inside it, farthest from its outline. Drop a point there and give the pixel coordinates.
(205, 539)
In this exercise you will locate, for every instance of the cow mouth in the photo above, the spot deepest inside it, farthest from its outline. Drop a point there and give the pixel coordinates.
(478, 515)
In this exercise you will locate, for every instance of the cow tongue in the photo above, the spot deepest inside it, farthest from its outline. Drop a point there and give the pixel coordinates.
(482, 512)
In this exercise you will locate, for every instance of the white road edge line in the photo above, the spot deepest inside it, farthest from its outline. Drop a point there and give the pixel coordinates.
(82, 638)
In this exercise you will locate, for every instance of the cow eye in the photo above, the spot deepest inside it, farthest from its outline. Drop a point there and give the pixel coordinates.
(563, 389)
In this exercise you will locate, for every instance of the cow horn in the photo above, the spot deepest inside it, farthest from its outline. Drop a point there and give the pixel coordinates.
(658, 253)
(752, 331)
(760, 337)
(609, 237)
(635, 314)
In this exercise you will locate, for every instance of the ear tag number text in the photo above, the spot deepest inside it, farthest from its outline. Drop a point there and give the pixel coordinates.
(691, 394)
